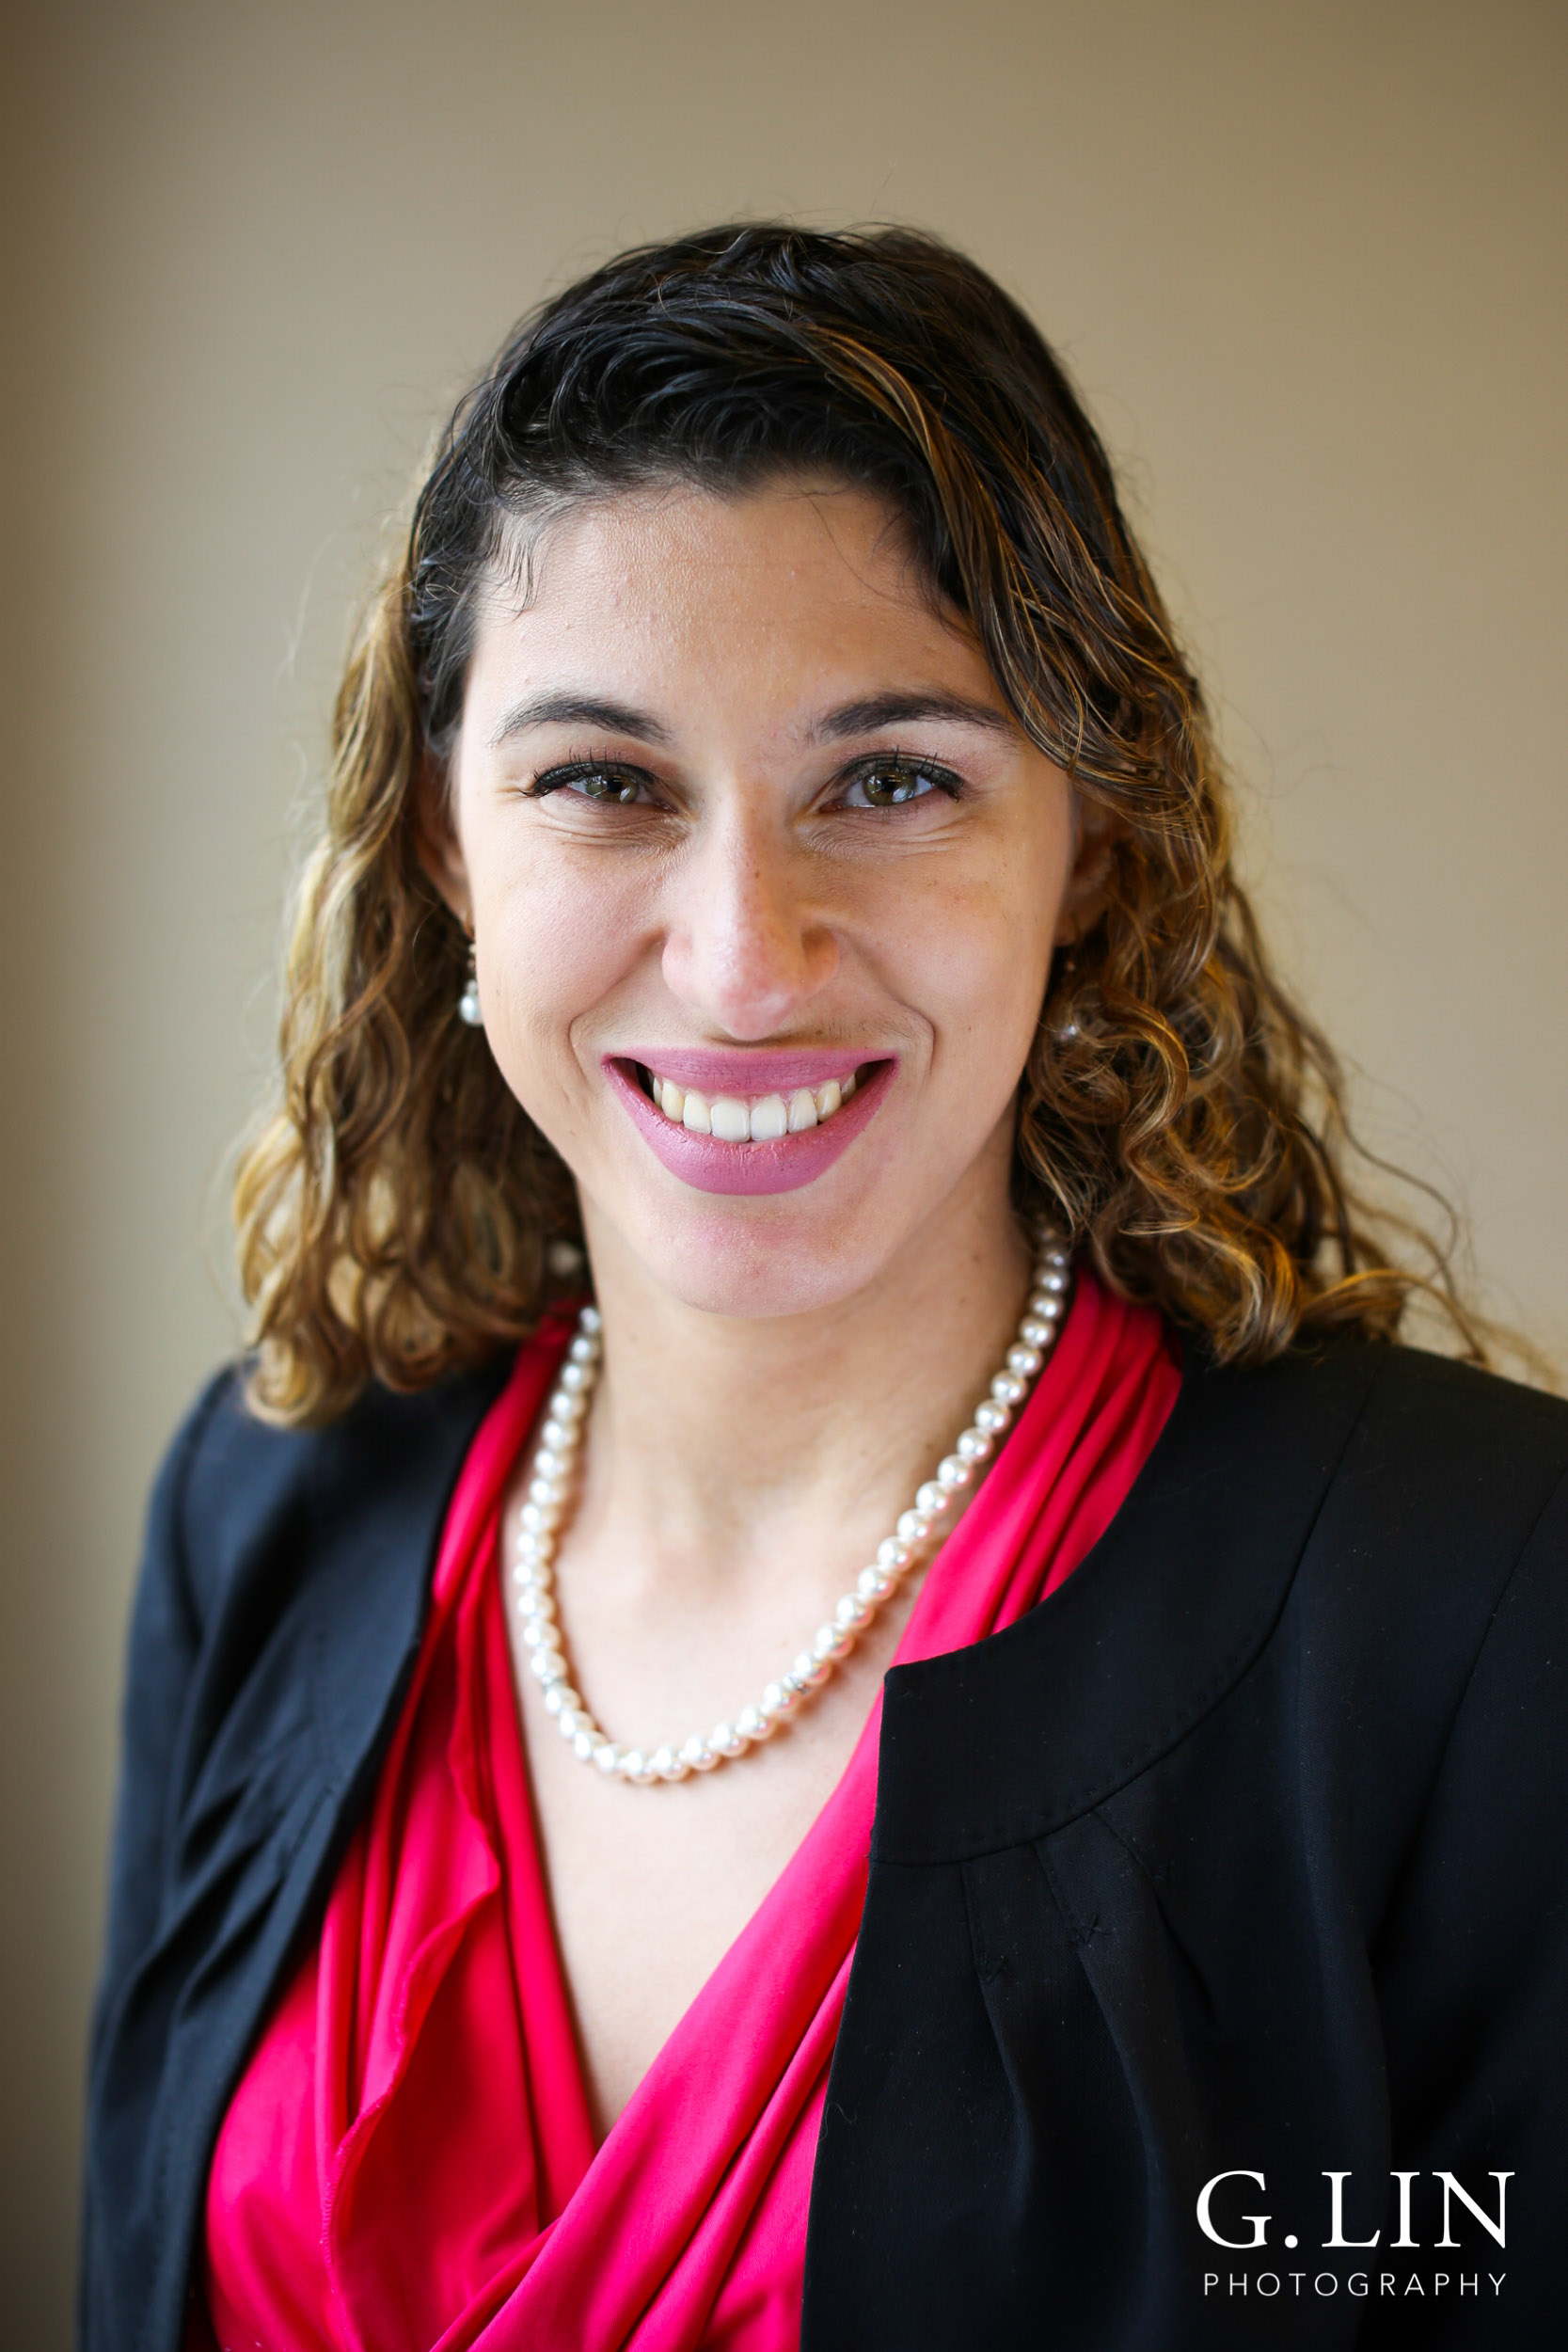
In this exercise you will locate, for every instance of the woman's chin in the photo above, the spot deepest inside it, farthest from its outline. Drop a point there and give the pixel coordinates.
(772, 1259)
(802, 1252)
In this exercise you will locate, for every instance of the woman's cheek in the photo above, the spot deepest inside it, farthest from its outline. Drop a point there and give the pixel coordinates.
(559, 956)
(987, 954)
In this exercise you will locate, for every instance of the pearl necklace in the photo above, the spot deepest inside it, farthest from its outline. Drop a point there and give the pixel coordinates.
(551, 1481)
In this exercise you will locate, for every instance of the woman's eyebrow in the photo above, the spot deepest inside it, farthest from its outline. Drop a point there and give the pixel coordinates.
(862, 717)
(583, 710)
(905, 709)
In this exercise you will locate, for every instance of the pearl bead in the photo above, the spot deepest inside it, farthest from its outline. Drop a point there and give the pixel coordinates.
(954, 1470)
(974, 1445)
(560, 1693)
(992, 1419)
(586, 1746)
(833, 1643)
(933, 1499)
(810, 1671)
(569, 1722)
(546, 1664)
(1050, 1278)
(698, 1755)
(540, 1603)
(574, 1379)
(1008, 1391)
(913, 1527)
(540, 1518)
(852, 1613)
(567, 1406)
(608, 1758)
(753, 1726)
(874, 1584)
(1034, 1333)
(1023, 1362)
(893, 1555)
(559, 1437)
(590, 1320)
(727, 1739)
(667, 1765)
(538, 1634)
(583, 1350)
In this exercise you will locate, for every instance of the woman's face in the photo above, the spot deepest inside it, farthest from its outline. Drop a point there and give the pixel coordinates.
(765, 882)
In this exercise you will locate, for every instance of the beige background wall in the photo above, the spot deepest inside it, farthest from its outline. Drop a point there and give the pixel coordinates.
(1306, 262)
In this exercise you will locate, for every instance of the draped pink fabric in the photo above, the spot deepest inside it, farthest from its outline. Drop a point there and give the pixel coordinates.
(407, 2165)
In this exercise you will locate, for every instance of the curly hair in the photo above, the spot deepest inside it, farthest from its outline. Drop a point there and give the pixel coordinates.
(400, 1215)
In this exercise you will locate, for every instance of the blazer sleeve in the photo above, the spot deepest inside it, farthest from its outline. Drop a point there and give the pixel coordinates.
(1474, 1961)
(164, 1645)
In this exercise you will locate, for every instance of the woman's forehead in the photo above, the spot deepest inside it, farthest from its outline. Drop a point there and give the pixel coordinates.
(800, 589)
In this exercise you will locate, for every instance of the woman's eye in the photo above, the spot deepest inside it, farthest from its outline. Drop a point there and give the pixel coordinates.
(604, 784)
(891, 783)
(620, 787)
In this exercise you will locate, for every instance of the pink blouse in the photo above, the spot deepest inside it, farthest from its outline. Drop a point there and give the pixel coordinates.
(407, 2164)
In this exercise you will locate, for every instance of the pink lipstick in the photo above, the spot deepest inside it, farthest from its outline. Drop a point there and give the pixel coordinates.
(719, 1084)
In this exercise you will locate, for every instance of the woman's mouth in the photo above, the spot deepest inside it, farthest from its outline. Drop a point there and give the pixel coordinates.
(750, 1123)
(748, 1117)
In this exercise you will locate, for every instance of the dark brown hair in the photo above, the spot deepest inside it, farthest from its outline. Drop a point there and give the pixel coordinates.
(1177, 1113)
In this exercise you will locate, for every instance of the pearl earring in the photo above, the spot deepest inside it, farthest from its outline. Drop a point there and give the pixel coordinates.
(469, 1006)
(1067, 1031)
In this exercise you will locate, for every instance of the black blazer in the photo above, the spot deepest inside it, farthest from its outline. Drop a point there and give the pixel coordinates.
(1242, 1856)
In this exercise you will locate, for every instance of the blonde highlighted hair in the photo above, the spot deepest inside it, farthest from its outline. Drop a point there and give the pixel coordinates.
(400, 1216)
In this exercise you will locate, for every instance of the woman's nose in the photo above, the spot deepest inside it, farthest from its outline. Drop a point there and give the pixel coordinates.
(747, 947)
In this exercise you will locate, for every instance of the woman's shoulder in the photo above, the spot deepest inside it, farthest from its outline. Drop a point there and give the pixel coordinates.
(1414, 1510)
(1391, 1483)
(235, 1493)
(1339, 1535)
(1390, 1418)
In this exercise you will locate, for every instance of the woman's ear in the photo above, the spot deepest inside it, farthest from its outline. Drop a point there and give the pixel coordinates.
(1097, 830)
(437, 844)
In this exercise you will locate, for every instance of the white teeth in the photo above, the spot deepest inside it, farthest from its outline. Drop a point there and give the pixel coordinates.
(735, 1118)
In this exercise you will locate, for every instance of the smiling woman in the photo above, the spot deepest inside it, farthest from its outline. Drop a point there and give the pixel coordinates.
(845, 860)
(787, 1122)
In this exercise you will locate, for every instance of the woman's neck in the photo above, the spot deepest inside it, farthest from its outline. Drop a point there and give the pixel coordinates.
(723, 1448)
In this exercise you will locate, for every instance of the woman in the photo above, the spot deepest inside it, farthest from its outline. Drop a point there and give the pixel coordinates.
(773, 976)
